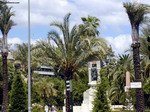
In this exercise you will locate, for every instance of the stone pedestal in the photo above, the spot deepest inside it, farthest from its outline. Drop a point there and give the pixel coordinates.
(88, 98)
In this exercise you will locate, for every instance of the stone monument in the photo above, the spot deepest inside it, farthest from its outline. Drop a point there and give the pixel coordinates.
(88, 95)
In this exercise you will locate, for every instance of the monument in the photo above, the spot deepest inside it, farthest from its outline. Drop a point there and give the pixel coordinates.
(88, 95)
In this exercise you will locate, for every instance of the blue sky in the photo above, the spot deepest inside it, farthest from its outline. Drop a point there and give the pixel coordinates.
(114, 23)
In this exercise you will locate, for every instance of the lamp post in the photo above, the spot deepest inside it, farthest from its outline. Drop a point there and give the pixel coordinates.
(29, 58)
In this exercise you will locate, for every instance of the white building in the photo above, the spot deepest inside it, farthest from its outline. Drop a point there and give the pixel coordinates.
(45, 70)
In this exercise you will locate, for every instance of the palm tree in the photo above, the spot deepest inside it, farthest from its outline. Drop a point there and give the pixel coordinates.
(136, 13)
(45, 89)
(5, 25)
(21, 54)
(90, 25)
(145, 64)
(118, 74)
(70, 52)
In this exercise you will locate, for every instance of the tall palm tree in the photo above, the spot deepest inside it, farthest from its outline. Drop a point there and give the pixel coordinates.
(5, 25)
(70, 52)
(136, 13)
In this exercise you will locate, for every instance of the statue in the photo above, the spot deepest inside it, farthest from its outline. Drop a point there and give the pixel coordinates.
(94, 73)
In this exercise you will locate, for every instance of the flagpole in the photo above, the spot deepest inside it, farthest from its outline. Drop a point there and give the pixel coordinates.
(29, 58)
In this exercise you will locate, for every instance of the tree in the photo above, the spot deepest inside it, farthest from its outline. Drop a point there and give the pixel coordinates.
(79, 86)
(136, 13)
(118, 74)
(147, 93)
(70, 52)
(11, 76)
(18, 95)
(59, 85)
(89, 26)
(45, 89)
(101, 103)
(145, 64)
(21, 54)
(5, 25)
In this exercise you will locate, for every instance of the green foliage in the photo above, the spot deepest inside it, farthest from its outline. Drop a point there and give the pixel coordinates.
(147, 93)
(18, 96)
(90, 26)
(37, 108)
(59, 85)
(45, 89)
(1, 82)
(136, 12)
(101, 103)
(147, 86)
(35, 97)
(116, 72)
(10, 75)
(79, 87)
(52, 95)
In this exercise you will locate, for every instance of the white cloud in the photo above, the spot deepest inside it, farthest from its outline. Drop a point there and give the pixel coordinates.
(120, 43)
(43, 11)
(110, 12)
(14, 40)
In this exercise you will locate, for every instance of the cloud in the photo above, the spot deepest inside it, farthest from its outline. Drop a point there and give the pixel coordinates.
(120, 43)
(17, 40)
(110, 12)
(43, 11)
(14, 40)
(112, 15)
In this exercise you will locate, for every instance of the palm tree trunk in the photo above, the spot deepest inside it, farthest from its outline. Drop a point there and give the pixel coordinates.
(69, 103)
(135, 33)
(5, 82)
(137, 70)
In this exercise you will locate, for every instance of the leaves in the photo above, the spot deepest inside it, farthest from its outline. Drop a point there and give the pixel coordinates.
(18, 97)
(5, 20)
(89, 26)
(101, 103)
(72, 50)
(136, 12)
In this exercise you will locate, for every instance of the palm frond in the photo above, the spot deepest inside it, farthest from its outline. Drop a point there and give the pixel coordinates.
(136, 12)
(5, 21)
